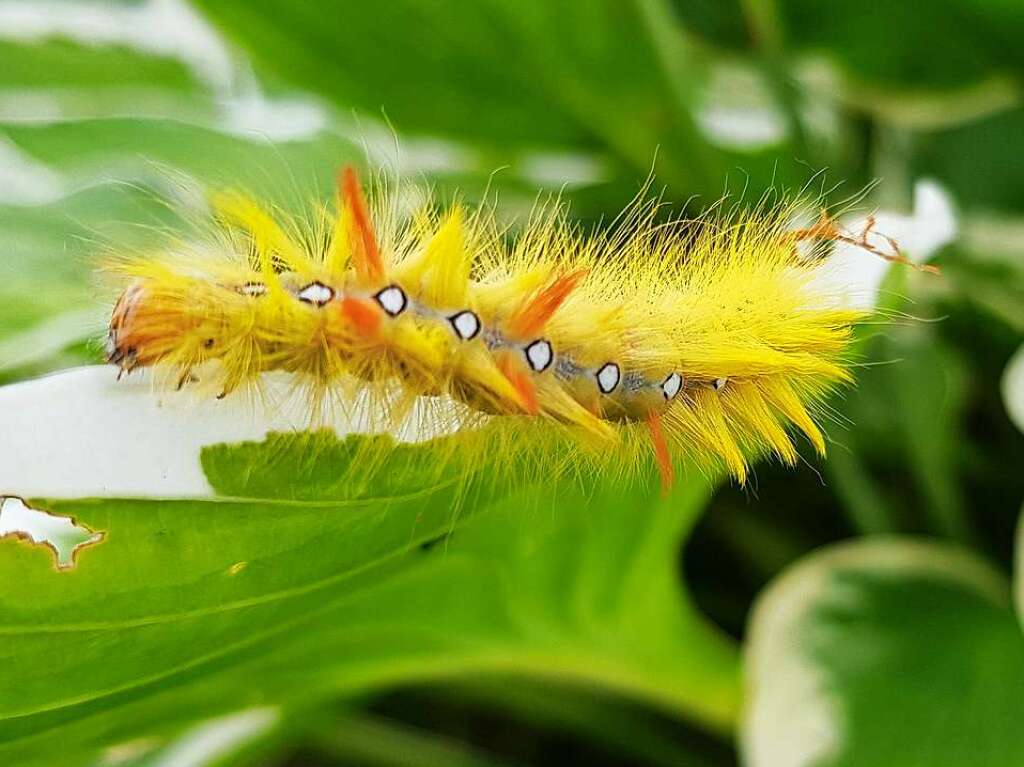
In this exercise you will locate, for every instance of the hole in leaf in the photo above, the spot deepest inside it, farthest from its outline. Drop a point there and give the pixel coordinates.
(61, 535)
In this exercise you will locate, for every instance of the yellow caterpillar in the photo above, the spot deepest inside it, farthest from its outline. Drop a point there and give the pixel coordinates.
(712, 338)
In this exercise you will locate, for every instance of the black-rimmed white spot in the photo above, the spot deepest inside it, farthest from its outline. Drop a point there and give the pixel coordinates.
(315, 293)
(671, 385)
(539, 355)
(253, 289)
(719, 383)
(608, 377)
(392, 300)
(465, 324)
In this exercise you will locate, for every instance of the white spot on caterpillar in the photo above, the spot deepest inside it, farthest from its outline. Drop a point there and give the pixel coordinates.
(608, 377)
(465, 324)
(670, 386)
(316, 293)
(539, 355)
(719, 383)
(392, 300)
(60, 534)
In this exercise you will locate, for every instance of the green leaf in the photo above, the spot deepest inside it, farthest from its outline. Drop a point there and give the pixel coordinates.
(1018, 569)
(885, 652)
(62, 67)
(883, 71)
(429, 66)
(317, 467)
(57, 79)
(720, 22)
(504, 75)
(970, 160)
(249, 736)
(194, 608)
(155, 150)
(603, 722)
(929, 382)
(1013, 388)
(961, 45)
(993, 282)
(377, 741)
(906, 414)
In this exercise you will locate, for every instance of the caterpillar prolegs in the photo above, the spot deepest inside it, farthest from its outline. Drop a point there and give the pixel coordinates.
(714, 339)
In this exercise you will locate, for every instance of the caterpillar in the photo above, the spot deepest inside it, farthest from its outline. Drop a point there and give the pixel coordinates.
(710, 340)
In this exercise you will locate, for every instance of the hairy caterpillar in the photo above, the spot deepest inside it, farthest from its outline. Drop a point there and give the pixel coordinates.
(712, 340)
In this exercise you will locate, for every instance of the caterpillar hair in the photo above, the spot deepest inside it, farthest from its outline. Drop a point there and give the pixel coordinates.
(710, 340)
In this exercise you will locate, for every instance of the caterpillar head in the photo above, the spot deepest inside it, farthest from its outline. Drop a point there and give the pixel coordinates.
(165, 318)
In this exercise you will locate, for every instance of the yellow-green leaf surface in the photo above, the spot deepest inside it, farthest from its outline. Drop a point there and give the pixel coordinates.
(290, 587)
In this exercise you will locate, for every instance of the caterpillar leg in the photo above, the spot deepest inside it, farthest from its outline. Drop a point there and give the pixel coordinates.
(661, 453)
(827, 229)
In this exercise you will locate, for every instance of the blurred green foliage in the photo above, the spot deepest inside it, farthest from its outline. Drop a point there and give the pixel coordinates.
(576, 625)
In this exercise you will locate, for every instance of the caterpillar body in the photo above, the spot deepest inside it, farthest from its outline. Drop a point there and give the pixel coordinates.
(713, 341)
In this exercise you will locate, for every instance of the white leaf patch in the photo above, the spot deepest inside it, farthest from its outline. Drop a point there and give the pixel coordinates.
(81, 433)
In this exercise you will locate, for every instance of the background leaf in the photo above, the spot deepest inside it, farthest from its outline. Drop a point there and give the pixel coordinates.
(867, 653)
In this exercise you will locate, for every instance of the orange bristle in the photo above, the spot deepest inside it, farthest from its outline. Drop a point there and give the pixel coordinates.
(521, 382)
(661, 453)
(531, 317)
(366, 258)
